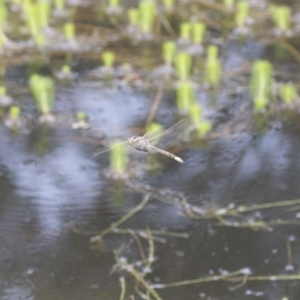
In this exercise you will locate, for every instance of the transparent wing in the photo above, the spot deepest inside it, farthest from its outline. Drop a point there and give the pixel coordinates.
(109, 149)
(172, 132)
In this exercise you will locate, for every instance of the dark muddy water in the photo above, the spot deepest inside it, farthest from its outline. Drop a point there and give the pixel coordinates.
(42, 258)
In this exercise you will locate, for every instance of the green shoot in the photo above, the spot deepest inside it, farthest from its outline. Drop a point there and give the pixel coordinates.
(185, 96)
(147, 14)
(60, 4)
(261, 84)
(242, 9)
(169, 49)
(212, 66)
(14, 113)
(42, 89)
(183, 64)
(198, 32)
(44, 11)
(118, 157)
(69, 30)
(3, 13)
(81, 116)
(288, 93)
(229, 3)
(2, 91)
(202, 126)
(133, 16)
(281, 15)
(154, 129)
(185, 31)
(66, 69)
(108, 59)
(168, 4)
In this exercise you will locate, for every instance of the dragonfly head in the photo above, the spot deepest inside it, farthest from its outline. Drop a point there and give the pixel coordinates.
(131, 140)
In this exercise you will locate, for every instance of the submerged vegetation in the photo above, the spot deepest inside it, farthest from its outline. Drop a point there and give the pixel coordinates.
(179, 49)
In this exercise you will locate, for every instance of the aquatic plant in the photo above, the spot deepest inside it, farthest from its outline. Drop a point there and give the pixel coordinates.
(43, 8)
(118, 158)
(114, 7)
(281, 15)
(3, 13)
(185, 96)
(201, 125)
(168, 4)
(69, 30)
(146, 16)
(185, 31)
(32, 18)
(229, 3)
(288, 93)
(81, 121)
(261, 81)
(14, 113)
(108, 59)
(183, 64)
(242, 9)
(133, 16)
(212, 66)
(60, 4)
(169, 49)
(42, 89)
(198, 32)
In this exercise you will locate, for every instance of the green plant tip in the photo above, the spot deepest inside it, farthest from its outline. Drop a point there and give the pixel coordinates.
(14, 112)
(198, 32)
(66, 69)
(42, 89)
(229, 3)
(108, 59)
(169, 49)
(2, 90)
(261, 81)
(118, 157)
(81, 116)
(69, 29)
(288, 93)
(154, 130)
(133, 16)
(183, 64)
(114, 3)
(241, 13)
(168, 4)
(203, 128)
(60, 4)
(185, 97)
(185, 31)
(147, 14)
(281, 15)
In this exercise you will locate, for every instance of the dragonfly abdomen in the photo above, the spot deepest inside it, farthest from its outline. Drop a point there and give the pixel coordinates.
(166, 153)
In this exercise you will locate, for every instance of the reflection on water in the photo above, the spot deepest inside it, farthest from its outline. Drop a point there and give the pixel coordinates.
(41, 258)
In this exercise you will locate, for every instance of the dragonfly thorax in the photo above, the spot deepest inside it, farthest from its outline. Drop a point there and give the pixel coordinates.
(139, 143)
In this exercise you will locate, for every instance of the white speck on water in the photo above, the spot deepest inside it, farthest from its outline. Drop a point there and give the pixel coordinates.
(274, 251)
(223, 272)
(273, 278)
(30, 271)
(254, 293)
(179, 253)
(226, 249)
(289, 268)
(202, 295)
(246, 271)
(211, 272)
(292, 238)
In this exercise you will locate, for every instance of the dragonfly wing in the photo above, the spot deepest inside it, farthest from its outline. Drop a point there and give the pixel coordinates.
(109, 149)
(171, 133)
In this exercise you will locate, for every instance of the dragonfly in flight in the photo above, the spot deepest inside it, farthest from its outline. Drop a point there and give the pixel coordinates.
(143, 143)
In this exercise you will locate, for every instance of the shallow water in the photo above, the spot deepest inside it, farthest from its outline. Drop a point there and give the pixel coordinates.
(42, 258)
(55, 196)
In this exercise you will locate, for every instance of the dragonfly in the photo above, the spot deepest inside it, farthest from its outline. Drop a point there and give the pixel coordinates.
(145, 143)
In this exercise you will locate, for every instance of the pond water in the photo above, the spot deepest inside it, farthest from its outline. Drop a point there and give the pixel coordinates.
(223, 225)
